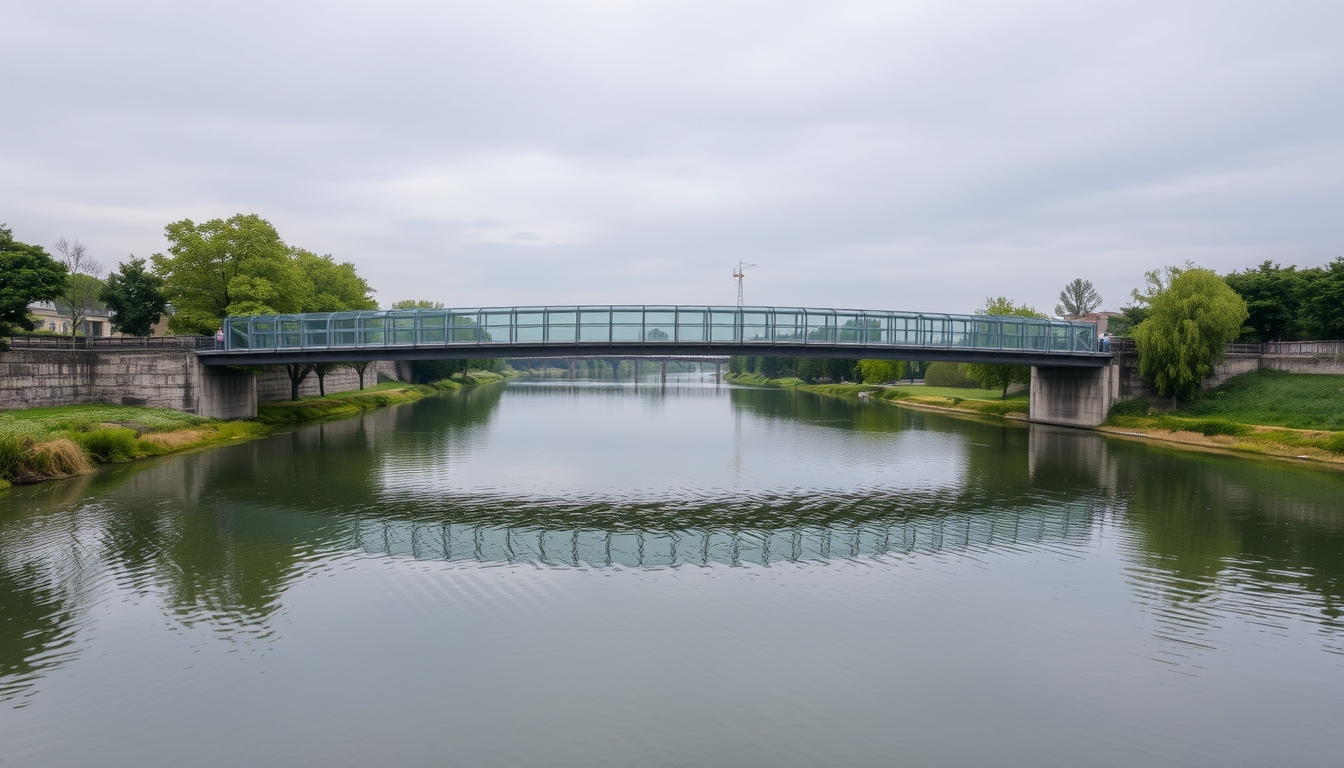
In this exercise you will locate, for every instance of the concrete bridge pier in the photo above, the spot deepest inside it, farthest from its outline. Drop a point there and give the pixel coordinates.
(663, 374)
(718, 373)
(1073, 397)
(571, 369)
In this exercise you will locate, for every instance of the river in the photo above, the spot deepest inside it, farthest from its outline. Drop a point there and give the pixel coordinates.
(604, 574)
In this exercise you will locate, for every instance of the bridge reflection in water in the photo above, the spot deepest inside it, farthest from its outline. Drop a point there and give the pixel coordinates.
(923, 534)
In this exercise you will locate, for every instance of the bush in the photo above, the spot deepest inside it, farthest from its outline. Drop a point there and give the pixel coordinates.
(1139, 406)
(947, 375)
(430, 371)
(1335, 444)
(116, 444)
(12, 450)
(1211, 427)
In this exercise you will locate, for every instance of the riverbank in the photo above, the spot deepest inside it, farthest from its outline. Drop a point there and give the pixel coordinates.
(63, 441)
(1270, 413)
(1301, 410)
(982, 402)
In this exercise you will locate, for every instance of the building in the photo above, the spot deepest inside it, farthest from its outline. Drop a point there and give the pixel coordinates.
(54, 317)
(1099, 318)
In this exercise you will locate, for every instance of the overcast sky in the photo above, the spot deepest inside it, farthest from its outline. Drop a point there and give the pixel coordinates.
(890, 155)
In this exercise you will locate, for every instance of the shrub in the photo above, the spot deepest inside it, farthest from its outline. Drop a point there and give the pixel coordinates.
(1211, 427)
(1336, 443)
(947, 375)
(116, 444)
(1139, 406)
(12, 450)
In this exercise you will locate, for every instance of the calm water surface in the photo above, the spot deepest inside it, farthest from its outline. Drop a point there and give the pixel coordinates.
(610, 575)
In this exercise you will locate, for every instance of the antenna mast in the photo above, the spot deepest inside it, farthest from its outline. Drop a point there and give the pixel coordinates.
(738, 274)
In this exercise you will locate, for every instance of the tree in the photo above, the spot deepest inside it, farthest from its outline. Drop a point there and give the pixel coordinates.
(83, 285)
(417, 304)
(1274, 301)
(322, 369)
(993, 376)
(1188, 324)
(333, 287)
(27, 274)
(1156, 281)
(238, 266)
(1078, 298)
(135, 297)
(297, 372)
(881, 371)
(1323, 301)
(359, 367)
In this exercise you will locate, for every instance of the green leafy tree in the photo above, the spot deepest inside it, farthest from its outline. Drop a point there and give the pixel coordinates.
(238, 266)
(1323, 301)
(881, 371)
(1078, 298)
(1188, 324)
(993, 376)
(1274, 301)
(27, 274)
(334, 287)
(135, 297)
(417, 304)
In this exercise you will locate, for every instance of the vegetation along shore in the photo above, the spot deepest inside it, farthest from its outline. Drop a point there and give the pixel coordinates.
(63, 441)
(1263, 413)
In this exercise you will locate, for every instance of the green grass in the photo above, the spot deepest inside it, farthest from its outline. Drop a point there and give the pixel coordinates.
(957, 392)
(1275, 399)
(342, 404)
(39, 423)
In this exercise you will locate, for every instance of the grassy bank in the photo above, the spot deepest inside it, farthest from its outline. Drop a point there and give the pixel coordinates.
(307, 409)
(1293, 415)
(63, 441)
(978, 401)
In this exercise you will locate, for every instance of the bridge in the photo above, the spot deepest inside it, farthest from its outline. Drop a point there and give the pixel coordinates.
(653, 331)
(1072, 380)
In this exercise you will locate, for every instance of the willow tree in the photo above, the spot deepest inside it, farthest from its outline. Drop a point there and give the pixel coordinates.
(1188, 324)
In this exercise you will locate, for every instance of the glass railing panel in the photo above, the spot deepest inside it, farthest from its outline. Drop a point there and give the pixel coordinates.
(595, 333)
(530, 334)
(629, 332)
(561, 334)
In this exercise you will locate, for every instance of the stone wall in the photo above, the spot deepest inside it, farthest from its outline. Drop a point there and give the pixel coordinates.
(273, 382)
(157, 378)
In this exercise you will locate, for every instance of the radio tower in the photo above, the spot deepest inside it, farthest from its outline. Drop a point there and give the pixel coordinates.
(738, 274)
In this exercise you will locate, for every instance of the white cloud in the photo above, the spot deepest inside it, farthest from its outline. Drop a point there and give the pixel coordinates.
(912, 155)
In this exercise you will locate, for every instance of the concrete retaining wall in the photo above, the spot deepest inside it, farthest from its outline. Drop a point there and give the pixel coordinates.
(157, 378)
(1082, 398)
(273, 383)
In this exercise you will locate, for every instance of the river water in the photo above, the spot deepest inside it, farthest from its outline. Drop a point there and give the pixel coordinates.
(604, 574)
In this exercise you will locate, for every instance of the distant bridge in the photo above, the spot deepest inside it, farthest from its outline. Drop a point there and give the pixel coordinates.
(629, 331)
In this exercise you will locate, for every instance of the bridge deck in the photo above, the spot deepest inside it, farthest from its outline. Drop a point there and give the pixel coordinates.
(639, 331)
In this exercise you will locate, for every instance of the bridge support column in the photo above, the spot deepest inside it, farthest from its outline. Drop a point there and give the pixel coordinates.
(224, 393)
(718, 373)
(571, 369)
(663, 375)
(1073, 397)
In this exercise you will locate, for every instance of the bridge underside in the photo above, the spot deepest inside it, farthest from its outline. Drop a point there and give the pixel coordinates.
(717, 349)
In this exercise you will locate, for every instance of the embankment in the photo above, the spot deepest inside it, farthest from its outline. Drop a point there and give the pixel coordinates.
(62, 441)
